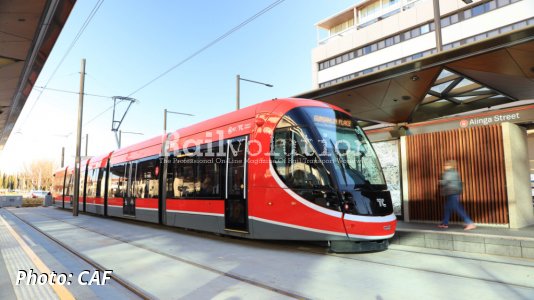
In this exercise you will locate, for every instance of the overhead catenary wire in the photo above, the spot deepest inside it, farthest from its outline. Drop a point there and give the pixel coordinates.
(220, 38)
(73, 43)
(207, 46)
(70, 92)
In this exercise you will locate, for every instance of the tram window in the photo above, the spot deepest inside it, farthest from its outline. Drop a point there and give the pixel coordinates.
(197, 176)
(101, 183)
(208, 177)
(184, 177)
(82, 182)
(90, 191)
(70, 185)
(146, 181)
(117, 181)
(296, 162)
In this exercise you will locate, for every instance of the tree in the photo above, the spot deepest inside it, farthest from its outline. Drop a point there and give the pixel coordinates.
(39, 174)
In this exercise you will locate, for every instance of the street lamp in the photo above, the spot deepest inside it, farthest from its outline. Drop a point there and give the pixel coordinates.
(238, 79)
(129, 132)
(165, 112)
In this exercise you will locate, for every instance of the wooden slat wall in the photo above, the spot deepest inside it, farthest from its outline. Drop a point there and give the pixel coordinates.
(480, 157)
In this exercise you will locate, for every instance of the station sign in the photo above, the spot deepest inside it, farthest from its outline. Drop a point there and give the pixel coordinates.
(520, 115)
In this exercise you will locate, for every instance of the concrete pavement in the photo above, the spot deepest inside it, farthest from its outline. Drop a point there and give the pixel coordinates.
(173, 263)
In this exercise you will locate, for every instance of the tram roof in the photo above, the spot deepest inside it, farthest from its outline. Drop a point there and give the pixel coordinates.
(485, 74)
(28, 32)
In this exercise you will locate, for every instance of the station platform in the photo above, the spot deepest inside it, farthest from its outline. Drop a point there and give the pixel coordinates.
(484, 239)
(151, 261)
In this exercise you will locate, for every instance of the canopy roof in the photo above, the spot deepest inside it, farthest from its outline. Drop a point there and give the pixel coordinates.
(28, 31)
(479, 75)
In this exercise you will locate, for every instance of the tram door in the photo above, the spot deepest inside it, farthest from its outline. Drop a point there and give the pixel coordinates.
(128, 207)
(235, 206)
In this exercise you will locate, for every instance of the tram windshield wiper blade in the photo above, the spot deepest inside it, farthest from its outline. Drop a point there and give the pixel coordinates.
(343, 171)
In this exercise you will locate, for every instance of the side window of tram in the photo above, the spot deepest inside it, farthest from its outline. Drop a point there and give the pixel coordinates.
(146, 183)
(70, 185)
(90, 191)
(117, 181)
(295, 162)
(208, 175)
(184, 177)
(196, 176)
(101, 183)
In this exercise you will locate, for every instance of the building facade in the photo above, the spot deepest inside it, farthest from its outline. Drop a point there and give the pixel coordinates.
(494, 147)
(356, 41)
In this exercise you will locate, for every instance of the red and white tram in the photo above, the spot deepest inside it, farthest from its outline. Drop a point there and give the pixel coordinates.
(289, 169)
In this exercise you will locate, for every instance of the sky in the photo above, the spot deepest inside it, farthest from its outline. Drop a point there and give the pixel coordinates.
(128, 43)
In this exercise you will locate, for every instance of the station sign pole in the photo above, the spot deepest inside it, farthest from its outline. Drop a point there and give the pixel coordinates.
(75, 205)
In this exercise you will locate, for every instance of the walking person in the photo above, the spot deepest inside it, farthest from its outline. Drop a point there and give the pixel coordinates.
(451, 187)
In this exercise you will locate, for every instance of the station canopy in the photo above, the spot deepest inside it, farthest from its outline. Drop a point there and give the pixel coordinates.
(480, 75)
(28, 31)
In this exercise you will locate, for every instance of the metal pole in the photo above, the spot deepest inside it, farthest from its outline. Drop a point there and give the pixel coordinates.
(238, 79)
(78, 143)
(62, 157)
(165, 121)
(120, 138)
(86, 143)
(437, 26)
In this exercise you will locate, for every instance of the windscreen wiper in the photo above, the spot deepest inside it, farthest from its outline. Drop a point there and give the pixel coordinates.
(340, 162)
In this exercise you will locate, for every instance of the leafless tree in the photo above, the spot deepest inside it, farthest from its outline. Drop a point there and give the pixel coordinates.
(38, 174)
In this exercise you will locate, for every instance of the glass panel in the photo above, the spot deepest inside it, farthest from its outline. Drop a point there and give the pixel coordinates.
(209, 176)
(117, 181)
(236, 171)
(478, 10)
(425, 28)
(454, 19)
(463, 83)
(354, 158)
(370, 9)
(89, 190)
(441, 87)
(388, 154)
(184, 177)
(388, 3)
(445, 22)
(146, 180)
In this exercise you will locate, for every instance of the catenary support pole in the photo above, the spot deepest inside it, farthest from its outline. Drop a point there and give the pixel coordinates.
(78, 143)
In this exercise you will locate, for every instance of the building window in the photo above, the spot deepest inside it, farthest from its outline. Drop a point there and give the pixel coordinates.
(370, 10)
(388, 3)
(478, 10)
(445, 22)
(425, 29)
(454, 19)
(341, 27)
(415, 32)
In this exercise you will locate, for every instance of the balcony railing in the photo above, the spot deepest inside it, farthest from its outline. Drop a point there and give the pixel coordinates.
(375, 17)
